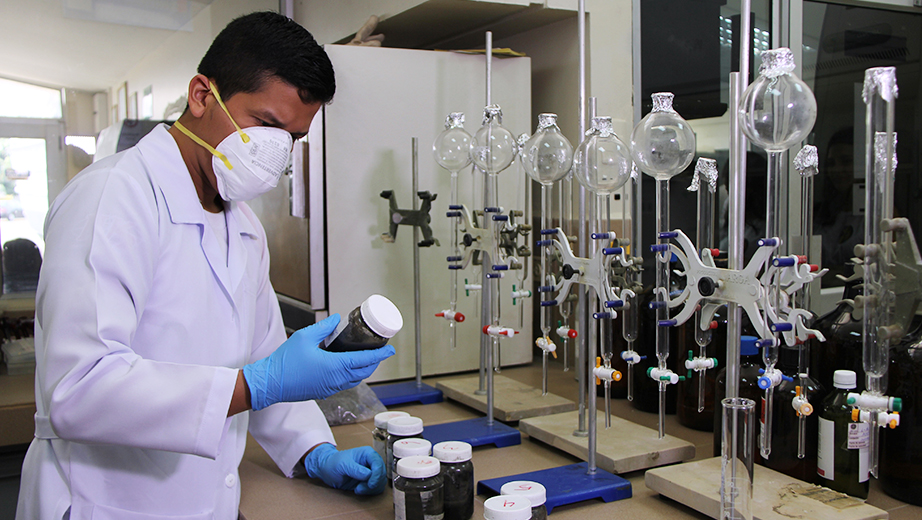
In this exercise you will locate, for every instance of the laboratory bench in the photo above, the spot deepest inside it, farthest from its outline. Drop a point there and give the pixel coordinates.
(266, 494)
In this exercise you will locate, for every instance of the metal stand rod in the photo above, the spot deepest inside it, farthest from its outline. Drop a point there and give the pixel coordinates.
(736, 224)
(416, 304)
(583, 307)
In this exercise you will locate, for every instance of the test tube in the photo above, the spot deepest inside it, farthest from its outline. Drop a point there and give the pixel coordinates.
(736, 459)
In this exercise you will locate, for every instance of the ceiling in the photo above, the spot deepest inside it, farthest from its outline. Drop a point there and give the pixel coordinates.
(64, 43)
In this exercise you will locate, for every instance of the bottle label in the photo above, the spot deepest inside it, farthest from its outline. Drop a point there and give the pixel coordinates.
(825, 452)
(427, 498)
(859, 436)
(400, 505)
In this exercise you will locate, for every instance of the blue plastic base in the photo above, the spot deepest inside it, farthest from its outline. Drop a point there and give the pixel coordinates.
(567, 485)
(403, 393)
(475, 432)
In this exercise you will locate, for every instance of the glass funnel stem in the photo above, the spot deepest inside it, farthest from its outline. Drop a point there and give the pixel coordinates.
(773, 229)
(544, 252)
(455, 252)
(662, 271)
(801, 436)
(873, 444)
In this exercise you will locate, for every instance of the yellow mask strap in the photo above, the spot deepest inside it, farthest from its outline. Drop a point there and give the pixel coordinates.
(214, 90)
(205, 145)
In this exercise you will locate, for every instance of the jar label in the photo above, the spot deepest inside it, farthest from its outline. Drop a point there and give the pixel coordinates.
(859, 436)
(825, 450)
(428, 497)
(400, 505)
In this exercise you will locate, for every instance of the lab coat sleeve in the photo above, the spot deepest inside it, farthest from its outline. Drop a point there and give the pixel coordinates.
(285, 430)
(100, 258)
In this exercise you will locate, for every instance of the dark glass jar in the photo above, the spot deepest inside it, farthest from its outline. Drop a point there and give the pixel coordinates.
(411, 447)
(418, 490)
(687, 391)
(842, 349)
(900, 471)
(784, 457)
(400, 428)
(505, 507)
(458, 477)
(842, 455)
(379, 435)
(369, 326)
(533, 491)
(750, 364)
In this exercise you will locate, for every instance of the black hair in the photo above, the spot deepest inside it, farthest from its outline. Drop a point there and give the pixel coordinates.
(258, 46)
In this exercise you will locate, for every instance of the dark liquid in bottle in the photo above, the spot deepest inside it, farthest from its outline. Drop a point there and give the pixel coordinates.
(355, 336)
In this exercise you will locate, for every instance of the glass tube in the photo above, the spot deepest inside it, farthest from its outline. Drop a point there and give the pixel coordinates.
(736, 459)
(880, 92)
(662, 290)
(706, 168)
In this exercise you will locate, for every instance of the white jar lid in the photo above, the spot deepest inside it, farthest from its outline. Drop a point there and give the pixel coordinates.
(533, 491)
(452, 451)
(845, 379)
(381, 316)
(410, 447)
(405, 425)
(504, 507)
(418, 467)
(382, 418)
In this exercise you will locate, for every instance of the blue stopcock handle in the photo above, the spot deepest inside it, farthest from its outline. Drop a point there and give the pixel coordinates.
(783, 262)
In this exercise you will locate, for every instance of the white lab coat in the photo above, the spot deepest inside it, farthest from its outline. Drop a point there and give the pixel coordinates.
(140, 328)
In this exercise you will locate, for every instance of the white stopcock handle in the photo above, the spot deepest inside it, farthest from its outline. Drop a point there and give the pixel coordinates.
(606, 374)
(664, 375)
(496, 330)
(521, 294)
(631, 357)
(884, 419)
(451, 315)
(700, 363)
(566, 332)
(801, 405)
(867, 401)
(545, 344)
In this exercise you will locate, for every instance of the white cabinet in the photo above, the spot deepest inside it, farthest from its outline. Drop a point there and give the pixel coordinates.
(384, 98)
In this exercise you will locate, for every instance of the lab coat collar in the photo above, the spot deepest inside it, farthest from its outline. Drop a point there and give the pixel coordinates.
(160, 149)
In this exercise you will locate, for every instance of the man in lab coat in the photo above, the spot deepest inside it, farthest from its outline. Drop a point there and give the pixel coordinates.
(156, 324)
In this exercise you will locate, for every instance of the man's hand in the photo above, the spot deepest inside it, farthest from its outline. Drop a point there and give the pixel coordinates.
(359, 469)
(299, 370)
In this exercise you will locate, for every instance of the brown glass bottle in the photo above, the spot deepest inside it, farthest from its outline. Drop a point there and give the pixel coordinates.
(840, 466)
(687, 392)
(750, 364)
(900, 471)
(784, 457)
(842, 349)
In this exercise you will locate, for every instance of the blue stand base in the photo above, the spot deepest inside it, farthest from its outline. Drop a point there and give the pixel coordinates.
(567, 485)
(475, 432)
(409, 392)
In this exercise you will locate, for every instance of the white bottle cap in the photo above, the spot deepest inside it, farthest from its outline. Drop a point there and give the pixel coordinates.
(411, 447)
(845, 379)
(452, 451)
(418, 467)
(504, 507)
(382, 418)
(381, 316)
(533, 491)
(405, 425)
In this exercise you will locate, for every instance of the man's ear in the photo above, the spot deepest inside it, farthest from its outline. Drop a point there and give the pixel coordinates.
(199, 88)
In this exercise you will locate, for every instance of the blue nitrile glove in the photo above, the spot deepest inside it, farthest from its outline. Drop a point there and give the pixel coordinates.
(300, 370)
(358, 469)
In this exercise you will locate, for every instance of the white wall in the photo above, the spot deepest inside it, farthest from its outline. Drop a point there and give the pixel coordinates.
(169, 69)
